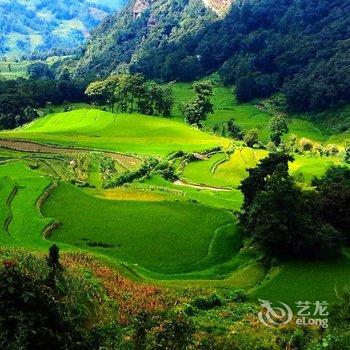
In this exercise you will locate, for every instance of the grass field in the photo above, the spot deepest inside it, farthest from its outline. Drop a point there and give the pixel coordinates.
(229, 170)
(13, 70)
(123, 133)
(247, 116)
(305, 281)
(166, 236)
(22, 223)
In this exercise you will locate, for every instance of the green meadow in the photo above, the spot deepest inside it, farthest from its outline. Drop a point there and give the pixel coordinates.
(247, 116)
(95, 129)
(13, 70)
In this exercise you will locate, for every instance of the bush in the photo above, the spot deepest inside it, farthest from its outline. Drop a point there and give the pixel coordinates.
(45, 307)
(306, 144)
(331, 150)
(238, 295)
(189, 310)
(130, 176)
(251, 137)
(208, 303)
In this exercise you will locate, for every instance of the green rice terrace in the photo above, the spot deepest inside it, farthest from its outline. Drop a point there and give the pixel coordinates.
(154, 196)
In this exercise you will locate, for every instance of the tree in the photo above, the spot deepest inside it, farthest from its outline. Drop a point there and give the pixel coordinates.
(292, 142)
(102, 92)
(40, 71)
(306, 144)
(251, 137)
(334, 197)
(55, 267)
(30, 114)
(278, 127)
(195, 112)
(347, 154)
(255, 182)
(234, 130)
(284, 222)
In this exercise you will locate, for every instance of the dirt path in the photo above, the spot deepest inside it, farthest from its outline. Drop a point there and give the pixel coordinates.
(202, 187)
(34, 147)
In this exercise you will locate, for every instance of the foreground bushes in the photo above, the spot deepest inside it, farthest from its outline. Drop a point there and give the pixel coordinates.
(43, 307)
(46, 304)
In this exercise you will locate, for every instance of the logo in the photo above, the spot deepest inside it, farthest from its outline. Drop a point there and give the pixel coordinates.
(273, 316)
(308, 314)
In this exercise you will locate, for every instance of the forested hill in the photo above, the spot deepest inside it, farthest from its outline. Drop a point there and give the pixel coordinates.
(144, 29)
(49, 27)
(262, 46)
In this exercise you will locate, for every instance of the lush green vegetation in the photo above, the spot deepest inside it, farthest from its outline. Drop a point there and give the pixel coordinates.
(75, 302)
(286, 51)
(21, 98)
(175, 236)
(12, 70)
(159, 215)
(40, 28)
(133, 133)
(172, 223)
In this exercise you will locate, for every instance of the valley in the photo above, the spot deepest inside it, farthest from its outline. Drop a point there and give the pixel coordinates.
(174, 175)
(194, 216)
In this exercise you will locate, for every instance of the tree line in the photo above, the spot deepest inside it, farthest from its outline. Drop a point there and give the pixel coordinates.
(20, 98)
(126, 93)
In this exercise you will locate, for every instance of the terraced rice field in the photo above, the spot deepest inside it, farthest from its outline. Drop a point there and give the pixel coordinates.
(180, 233)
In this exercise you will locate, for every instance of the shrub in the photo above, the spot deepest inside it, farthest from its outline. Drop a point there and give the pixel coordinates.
(207, 303)
(318, 149)
(38, 314)
(270, 146)
(167, 171)
(189, 309)
(238, 295)
(306, 144)
(331, 150)
(33, 166)
(130, 176)
(251, 137)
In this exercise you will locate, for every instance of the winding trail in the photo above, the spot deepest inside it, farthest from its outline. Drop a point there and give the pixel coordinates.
(202, 187)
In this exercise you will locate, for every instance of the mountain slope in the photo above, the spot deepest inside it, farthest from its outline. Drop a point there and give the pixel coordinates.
(262, 46)
(43, 25)
(144, 26)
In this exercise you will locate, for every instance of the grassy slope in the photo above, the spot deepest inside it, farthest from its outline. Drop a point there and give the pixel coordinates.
(13, 70)
(122, 132)
(27, 224)
(146, 137)
(166, 236)
(309, 281)
(247, 116)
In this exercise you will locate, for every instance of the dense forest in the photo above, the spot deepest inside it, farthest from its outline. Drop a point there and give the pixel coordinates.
(47, 27)
(265, 46)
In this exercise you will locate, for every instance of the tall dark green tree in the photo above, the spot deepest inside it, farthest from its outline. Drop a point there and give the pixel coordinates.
(195, 112)
(333, 190)
(283, 221)
(257, 177)
(278, 127)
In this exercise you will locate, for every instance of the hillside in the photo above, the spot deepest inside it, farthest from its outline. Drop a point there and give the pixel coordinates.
(122, 132)
(45, 27)
(261, 46)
